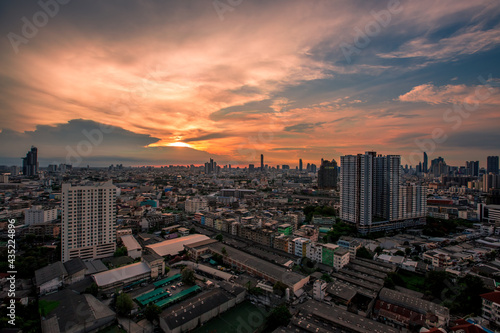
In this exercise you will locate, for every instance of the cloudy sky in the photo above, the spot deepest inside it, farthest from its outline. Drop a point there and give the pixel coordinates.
(179, 82)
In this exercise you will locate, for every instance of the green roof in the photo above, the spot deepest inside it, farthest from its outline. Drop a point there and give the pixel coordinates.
(152, 296)
(165, 302)
(166, 281)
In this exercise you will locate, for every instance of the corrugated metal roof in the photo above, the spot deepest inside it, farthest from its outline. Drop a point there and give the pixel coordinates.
(130, 243)
(120, 274)
(176, 245)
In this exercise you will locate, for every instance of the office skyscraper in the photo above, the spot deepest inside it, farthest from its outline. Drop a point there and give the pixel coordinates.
(88, 221)
(370, 194)
(412, 201)
(492, 165)
(327, 174)
(30, 162)
(386, 186)
(438, 167)
(472, 168)
(261, 162)
(210, 167)
(425, 165)
(300, 165)
(356, 189)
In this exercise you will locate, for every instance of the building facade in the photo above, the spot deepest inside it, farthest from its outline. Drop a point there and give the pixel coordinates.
(327, 174)
(30, 162)
(36, 214)
(88, 221)
(370, 194)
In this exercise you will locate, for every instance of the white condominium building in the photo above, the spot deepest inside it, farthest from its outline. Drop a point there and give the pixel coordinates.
(88, 221)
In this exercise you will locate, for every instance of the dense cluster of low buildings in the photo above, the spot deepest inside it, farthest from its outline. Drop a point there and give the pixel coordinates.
(245, 233)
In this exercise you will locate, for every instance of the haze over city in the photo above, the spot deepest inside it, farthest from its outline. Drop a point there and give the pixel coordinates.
(182, 82)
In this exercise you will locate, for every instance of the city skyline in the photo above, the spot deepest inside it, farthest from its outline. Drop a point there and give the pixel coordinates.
(210, 166)
(180, 83)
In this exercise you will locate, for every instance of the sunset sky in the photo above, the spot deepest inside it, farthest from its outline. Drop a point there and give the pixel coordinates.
(179, 82)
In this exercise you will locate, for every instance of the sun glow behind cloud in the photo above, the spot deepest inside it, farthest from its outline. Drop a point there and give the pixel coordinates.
(179, 144)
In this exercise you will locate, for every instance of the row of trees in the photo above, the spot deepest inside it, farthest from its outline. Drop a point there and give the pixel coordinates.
(460, 295)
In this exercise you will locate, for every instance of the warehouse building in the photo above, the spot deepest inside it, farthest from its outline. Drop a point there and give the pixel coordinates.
(198, 310)
(172, 247)
(134, 250)
(317, 317)
(259, 267)
(120, 277)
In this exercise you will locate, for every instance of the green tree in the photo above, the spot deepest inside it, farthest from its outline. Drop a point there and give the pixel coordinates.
(436, 282)
(188, 276)
(224, 251)
(407, 251)
(279, 288)
(399, 253)
(192, 230)
(397, 279)
(279, 316)
(256, 291)
(340, 229)
(30, 238)
(327, 278)
(362, 252)
(379, 250)
(124, 304)
(167, 269)
(93, 289)
(389, 283)
(219, 237)
(468, 300)
(120, 252)
(151, 312)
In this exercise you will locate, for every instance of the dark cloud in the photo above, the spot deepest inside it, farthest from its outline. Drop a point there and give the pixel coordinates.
(243, 111)
(483, 140)
(301, 128)
(210, 136)
(85, 142)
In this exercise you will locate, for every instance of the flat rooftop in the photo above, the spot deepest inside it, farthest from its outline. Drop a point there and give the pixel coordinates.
(361, 276)
(130, 243)
(358, 282)
(344, 290)
(374, 265)
(176, 245)
(277, 272)
(342, 319)
(121, 273)
(412, 303)
(194, 307)
(200, 244)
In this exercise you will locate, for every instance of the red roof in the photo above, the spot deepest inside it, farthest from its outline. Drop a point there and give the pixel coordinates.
(467, 327)
(493, 297)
